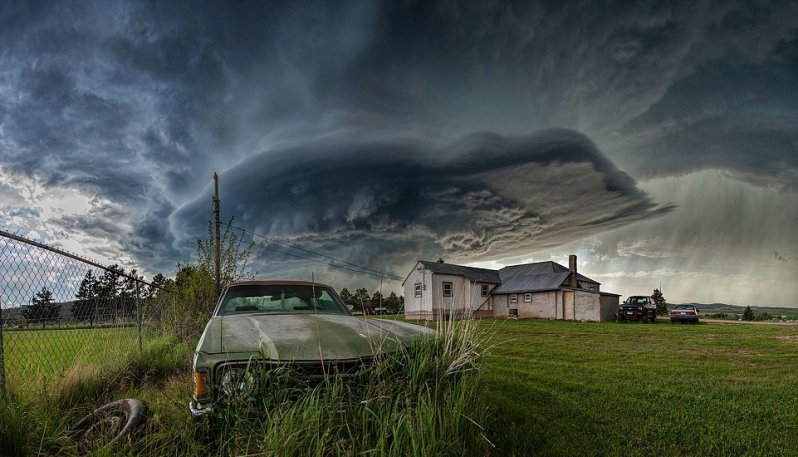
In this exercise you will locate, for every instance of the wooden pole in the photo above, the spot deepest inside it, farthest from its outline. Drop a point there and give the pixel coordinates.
(217, 221)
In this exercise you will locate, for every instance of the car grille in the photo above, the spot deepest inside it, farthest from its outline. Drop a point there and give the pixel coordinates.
(312, 371)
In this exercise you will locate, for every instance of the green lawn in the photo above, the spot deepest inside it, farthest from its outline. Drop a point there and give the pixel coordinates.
(552, 387)
(32, 356)
(573, 388)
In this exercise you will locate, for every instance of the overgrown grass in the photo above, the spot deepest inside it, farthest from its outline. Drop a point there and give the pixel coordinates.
(544, 388)
(422, 401)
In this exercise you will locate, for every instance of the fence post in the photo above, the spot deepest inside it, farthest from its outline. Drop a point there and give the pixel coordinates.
(2, 355)
(138, 314)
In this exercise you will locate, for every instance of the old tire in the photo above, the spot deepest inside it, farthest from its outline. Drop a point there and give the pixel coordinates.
(109, 423)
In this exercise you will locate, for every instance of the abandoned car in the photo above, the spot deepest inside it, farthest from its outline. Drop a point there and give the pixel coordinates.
(638, 308)
(304, 325)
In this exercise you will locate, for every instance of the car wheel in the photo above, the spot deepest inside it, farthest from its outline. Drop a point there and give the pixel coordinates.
(109, 423)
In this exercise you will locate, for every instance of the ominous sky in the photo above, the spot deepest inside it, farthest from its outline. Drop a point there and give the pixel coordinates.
(658, 142)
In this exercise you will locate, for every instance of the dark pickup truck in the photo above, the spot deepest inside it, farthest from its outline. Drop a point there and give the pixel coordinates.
(637, 308)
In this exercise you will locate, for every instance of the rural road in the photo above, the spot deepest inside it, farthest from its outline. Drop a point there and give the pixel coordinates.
(720, 321)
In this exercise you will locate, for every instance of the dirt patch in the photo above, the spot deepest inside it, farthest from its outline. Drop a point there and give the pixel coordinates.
(789, 338)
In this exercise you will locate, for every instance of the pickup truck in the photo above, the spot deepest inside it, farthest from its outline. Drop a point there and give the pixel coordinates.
(637, 308)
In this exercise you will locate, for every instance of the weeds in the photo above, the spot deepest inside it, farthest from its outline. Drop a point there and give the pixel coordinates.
(423, 400)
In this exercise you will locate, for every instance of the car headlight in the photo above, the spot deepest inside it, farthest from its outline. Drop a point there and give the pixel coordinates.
(237, 382)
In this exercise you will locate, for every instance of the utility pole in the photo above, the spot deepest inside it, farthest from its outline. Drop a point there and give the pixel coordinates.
(218, 235)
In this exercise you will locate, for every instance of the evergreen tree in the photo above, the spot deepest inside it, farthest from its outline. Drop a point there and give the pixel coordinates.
(659, 300)
(85, 299)
(158, 283)
(748, 314)
(347, 297)
(361, 299)
(42, 308)
(393, 303)
(377, 300)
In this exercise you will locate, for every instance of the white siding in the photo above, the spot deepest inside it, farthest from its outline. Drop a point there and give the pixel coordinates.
(587, 306)
(460, 299)
(418, 307)
(500, 308)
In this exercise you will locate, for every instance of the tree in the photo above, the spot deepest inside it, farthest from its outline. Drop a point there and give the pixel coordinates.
(186, 312)
(748, 314)
(347, 297)
(361, 299)
(393, 303)
(42, 308)
(235, 255)
(659, 300)
(158, 283)
(377, 300)
(85, 299)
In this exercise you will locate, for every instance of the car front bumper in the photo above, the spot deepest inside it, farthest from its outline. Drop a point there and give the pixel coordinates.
(684, 318)
(198, 410)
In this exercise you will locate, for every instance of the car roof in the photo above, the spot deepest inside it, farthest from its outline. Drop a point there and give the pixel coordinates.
(277, 282)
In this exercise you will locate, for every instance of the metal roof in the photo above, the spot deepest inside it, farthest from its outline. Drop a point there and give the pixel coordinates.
(483, 275)
(539, 268)
(528, 277)
(531, 282)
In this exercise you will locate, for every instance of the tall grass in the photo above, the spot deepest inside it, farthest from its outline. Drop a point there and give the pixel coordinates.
(34, 416)
(424, 400)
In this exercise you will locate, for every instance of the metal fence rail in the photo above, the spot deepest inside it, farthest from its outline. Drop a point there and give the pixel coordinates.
(59, 312)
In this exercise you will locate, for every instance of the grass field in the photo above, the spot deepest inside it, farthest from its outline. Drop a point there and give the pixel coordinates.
(551, 388)
(572, 388)
(34, 356)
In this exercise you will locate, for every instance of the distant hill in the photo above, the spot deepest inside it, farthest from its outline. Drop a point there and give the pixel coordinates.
(713, 308)
(13, 316)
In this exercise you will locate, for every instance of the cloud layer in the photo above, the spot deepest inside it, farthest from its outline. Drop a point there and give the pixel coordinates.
(113, 115)
(483, 196)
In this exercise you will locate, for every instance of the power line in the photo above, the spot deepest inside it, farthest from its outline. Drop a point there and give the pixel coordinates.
(357, 268)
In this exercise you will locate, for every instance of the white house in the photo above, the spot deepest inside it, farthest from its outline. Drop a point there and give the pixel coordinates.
(435, 290)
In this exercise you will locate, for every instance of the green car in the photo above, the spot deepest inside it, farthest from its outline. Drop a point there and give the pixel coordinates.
(301, 324)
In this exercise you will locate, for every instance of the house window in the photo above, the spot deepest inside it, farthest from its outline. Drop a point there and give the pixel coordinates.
(528, 297)
(513, 298)
(447, 289)
(485, 290)
(418, 289)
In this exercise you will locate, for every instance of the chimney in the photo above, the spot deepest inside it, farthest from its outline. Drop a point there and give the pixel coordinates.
(572, 266)
(440, 260)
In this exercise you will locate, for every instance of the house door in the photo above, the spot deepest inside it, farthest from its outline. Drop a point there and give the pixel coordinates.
(568, 304)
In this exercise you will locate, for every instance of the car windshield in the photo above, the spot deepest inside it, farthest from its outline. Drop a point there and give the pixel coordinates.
(692, 308)
(637, 300)
(280, 298)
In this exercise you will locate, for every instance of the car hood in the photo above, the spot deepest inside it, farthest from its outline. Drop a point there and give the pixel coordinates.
(306, 336)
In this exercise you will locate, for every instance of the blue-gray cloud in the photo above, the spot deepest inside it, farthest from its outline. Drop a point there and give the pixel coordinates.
(139, 102)
(483, 196)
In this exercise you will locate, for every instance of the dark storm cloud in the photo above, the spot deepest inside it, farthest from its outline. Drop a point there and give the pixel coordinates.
(483, 196)
(139, 102)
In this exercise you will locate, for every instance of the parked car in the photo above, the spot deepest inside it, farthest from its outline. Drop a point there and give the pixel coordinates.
(638, 308)
(685, 313)
(299, 324)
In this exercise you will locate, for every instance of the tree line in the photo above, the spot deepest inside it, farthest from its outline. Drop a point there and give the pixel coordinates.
(361, 300)
(108, 296)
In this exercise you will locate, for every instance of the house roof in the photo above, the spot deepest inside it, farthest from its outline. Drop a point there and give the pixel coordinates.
(539, 268)
(483, 275)
(531, 283)
(528, 277)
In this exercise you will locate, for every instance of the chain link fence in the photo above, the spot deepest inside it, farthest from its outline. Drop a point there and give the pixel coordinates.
(59, 311)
